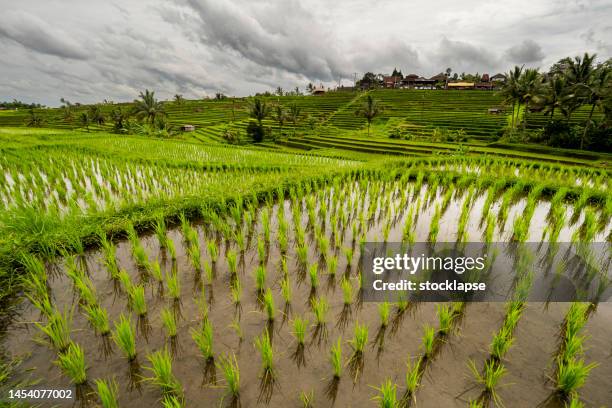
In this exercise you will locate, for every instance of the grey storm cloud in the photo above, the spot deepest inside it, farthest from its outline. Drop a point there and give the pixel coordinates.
(34, 33)
(112, 49)
(280, 34)
(524, 53)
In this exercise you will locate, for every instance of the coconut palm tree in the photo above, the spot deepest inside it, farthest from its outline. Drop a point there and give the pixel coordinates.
(147, 107)
(178, 99)
(85, 120)
(529, 85)
(369, 110)
(594, 92)
(259, 110)
(577, 71)
(510, 91)
(554, 93)
(96, 116)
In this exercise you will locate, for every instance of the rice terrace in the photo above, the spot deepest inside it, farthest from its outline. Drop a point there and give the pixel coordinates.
(214, 252)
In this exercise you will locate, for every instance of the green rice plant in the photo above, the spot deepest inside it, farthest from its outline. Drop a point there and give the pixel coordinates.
(260, 278)
(163, 377)
(194, 256)
(490, 377)
(571, 376)
(269, 307)
(124, 336)
(302, 255)
(501, 343)
(286, 290)
(72, 364)
(264, 345)
(231, 373)
(58, 329)
(384, 311)
(299, 329)
(98, 319)
(208, 273)
(428, 341)
(140, 256)
(172, 401)
(336, 358)
(574, 403)
(203, 338)
(125, 280)
(387, 395)
(173, 283)
(171, 249)
(360, 338)
(413, 375)
(137, 300)
(434, 226)
(156, 272)
(332, 265)
(261, 250)
(445, 318)
(348, 254)
(232, 263)
(347, 291)
(169, 322)
(314, 276)
(211, 246)
(307, 399)
(236, 292)
(108, 392)
(265, 224)
(235, 325)
(86, 290)
(320, 308)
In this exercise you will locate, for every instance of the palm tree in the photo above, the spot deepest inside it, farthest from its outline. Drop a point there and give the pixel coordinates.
(259, 110)
(510, 91)
(553, 95)
(96, 115)
(369, 110)
(119, 118)
(294, 115)
(85, 120)
(529, 87)
(147, 107)
(594, 93)
(577, 71)
(281, 116)
(34, 120)
(178, 99)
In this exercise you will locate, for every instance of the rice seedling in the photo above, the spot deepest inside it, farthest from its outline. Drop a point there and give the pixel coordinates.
(347, 291)
(232, 263)
(171, 249)
(260, 278)
(208, 273)
(302, 255)
(194, 256)
(413, 376)
(58, 329)
(320, 308)
(501, 343)
(387, 395)
(231, 373)
(204, 339)
(213, 252)
(445, 318)
(428, 341)
(173, 284)
(72, 364)
(307, 399)
(137, 300)
(489, 378)
(264, 345)
(332, 265)
(124, 337)
(172, 401)
(434, 226)
(336, 358)
(286, 290)
(269, 307)
(125, 280)
(163, 377)
(156, 272)
(236, 292)
(384, 311)
(235, 325)
(314, 277)
(360, 339)
(98, 319)
(169, 322)
(108, 392)
(299, 329)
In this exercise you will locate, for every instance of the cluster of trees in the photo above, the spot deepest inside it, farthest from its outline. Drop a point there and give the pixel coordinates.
(15, 104)
(569, 85)
(260, 109)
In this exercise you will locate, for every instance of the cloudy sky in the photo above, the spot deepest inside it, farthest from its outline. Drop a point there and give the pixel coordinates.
(88, 51)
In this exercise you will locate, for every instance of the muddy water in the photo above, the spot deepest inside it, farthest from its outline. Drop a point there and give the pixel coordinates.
(447, 381)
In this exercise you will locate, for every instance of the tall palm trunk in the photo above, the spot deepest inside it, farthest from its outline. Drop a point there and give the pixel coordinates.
(586, 127)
